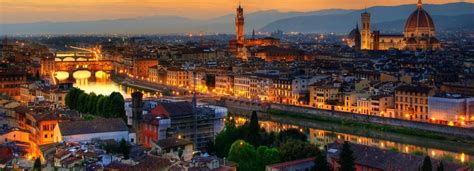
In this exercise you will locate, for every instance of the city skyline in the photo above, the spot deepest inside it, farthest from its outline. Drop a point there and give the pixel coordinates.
(28, 11)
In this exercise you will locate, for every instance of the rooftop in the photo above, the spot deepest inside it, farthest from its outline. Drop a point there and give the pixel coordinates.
(93, 126)
(386, 159)
(173, 142)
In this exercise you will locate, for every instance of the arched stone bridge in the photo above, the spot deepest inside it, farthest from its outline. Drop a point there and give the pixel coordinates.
(73, 58)
(70, 66)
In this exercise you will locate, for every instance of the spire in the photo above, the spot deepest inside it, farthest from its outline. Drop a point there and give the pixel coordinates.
(420, 4)
(253, 33)
(239, 4)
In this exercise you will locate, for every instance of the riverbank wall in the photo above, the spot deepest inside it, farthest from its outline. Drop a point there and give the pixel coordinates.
(243, 107)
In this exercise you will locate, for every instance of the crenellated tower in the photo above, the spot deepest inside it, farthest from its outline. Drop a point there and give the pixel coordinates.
(239, 24)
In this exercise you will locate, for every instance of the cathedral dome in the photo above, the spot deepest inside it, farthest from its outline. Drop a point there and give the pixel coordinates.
(354, 33)
(419, 20)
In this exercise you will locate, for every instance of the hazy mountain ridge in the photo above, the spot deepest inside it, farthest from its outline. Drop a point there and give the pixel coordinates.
(446, 16)
(335, 20)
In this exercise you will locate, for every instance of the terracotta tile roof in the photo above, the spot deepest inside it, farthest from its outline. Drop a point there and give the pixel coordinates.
(291, 163)
(386, 159)
(178, 108)
(93, 126)
(172, 142)
(149, 163)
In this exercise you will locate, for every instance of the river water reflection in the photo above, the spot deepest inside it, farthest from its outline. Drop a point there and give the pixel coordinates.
(100, 83)
(322, 137)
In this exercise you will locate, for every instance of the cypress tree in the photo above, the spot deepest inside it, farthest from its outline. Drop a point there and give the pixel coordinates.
(426, 164)
(124, 149)
(321, 162)
(440, 166)
(346, 158)
(253, 132)
(37, 165)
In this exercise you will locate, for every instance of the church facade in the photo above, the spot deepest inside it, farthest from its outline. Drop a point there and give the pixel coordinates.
(419, 33)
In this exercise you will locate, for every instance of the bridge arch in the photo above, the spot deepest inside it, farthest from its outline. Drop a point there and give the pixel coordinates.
(82, 74)
(69, 59)
(81, 59)
(61, 75)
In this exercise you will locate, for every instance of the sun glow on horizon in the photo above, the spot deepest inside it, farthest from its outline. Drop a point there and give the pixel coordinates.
(24, 11)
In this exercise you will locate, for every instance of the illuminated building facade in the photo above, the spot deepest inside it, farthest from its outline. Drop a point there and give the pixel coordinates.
(178, 77)
(141, 66)
(11, 81)
(411, 102)
(274, 53)
(224, 84)
(320, 94)
(47, 66)
(242, 86)
(451, 109)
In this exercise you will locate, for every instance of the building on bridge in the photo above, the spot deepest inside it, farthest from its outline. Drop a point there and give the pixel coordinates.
(74, 56)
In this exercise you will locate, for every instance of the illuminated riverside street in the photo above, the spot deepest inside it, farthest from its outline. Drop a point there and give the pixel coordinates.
(458, 152)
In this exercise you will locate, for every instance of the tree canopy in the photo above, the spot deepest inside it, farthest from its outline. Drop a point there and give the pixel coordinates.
(253, 148)
(244, 154)
(112, 106)
(297, 149)
(321, 163)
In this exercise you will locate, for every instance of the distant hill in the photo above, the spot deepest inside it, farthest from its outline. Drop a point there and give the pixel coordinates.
(451, 16)
(330, 20)
(459, 22)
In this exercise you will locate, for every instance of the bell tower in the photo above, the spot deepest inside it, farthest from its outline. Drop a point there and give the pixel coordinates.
(239, 24)
(365, 32)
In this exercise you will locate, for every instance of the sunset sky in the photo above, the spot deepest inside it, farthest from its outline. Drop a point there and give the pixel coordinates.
(24, 11)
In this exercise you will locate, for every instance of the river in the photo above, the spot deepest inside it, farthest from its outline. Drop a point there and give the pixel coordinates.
(100, 83)
(320, 133)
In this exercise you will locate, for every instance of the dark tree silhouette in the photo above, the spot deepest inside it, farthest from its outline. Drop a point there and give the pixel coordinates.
(426, 166)
(346, 158)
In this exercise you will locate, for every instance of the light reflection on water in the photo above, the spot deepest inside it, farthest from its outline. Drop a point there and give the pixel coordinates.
(101, 84)
(322, 137)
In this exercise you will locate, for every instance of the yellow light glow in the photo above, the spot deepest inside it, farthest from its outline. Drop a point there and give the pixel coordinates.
(451, 123)
(61, 75)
